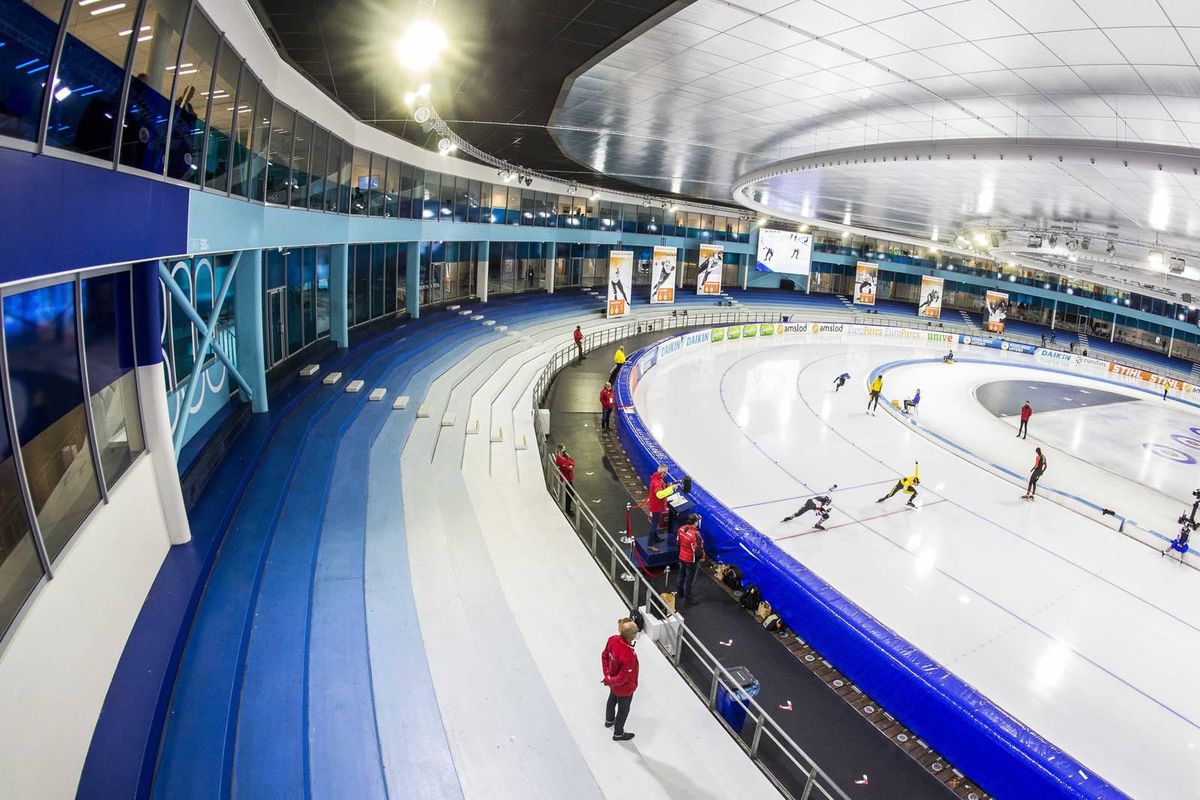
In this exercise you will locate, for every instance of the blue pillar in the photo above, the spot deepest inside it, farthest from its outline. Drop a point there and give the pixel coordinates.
(412, 275)
(339, 283)
(753, 257)
(248, 322)
(549, 250)
(481, 266)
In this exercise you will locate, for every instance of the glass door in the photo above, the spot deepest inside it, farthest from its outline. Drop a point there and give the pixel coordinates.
(276, 327)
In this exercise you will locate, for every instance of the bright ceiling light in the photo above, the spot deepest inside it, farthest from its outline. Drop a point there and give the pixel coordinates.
(445, 146)
(1156, 259)
(422, 115)
(981, 239)
(1160, 211)
(422, 43)
(595, 196)
(762, 221)
(410, 98)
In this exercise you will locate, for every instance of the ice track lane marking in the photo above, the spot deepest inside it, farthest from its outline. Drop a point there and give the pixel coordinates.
(939, 570)
(854, 521)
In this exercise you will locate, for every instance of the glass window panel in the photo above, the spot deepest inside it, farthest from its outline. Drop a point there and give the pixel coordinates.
(48, 403)
(446, 199)
(87, 88)
(360, 181)
(430, 198)
(279, 162)
(294, 302)
(375, 186)
(362, 283)
(155, 62)
(322, 255)
(461, 194)
(301, 153)
(391, 189)
(245, 114)
(347, 166)
(402, 276)
(257, 170)
(20, 568)
(222, 104)
(378, 282)
(404, 210)
(182, 341)
(308, 277)
(474, 191)
(418, 196)
(193, 76)
(29, 30)
(317, 168)
(333, 160)
(108, 344)
(389, 277)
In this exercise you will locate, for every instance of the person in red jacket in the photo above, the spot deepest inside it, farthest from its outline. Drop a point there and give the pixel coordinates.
(656, 504)
(620, 664)
(606, 403)
(566, 466)
(1026, 413)
(691, 553)
(579, 342)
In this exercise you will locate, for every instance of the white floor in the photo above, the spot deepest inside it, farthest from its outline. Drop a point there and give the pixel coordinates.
(514, 612)
(1085, 635)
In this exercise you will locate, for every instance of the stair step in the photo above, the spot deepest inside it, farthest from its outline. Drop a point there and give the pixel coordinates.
(424, 410)
(400, 403)
(309, 370)
(378, 394)
(332, 378)
(354, 387)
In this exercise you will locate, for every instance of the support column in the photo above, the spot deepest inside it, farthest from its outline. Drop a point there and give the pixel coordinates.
(152, 397)
(1112, 334)
(339, 294)
(753, 255)
(483, 256)
(551, 261)
(248, 322)
(412, 278)
(1171, 344)
(1054, 313)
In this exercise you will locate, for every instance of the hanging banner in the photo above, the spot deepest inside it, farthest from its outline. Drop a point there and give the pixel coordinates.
(866, 278)
(931, 297)
(784, 251)
(996, 305)
(620, 280)
(662, 275)
(712, 264)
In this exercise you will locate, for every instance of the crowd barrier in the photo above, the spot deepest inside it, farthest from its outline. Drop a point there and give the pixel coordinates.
(1001, 754)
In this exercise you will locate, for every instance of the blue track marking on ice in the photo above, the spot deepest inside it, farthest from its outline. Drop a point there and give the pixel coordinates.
(966, 586)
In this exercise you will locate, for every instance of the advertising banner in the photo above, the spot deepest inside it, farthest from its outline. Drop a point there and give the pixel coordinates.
(931, 297)
(866, 278)
(996, 305)
(620, 282)
(712, 264)
(662, 275)
(784, 251)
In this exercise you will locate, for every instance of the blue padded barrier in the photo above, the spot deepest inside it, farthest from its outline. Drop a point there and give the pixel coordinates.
(1002, 755)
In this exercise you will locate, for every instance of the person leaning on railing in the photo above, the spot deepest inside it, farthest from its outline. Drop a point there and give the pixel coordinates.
(566, 467)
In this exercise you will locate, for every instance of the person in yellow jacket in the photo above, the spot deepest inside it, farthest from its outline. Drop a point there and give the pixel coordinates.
(908, 484)
(876, 388)
(618, 362)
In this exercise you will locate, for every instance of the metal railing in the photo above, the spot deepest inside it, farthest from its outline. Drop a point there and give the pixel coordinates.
(781, 760)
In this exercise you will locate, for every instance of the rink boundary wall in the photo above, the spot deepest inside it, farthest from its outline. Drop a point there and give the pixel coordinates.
(997, 751)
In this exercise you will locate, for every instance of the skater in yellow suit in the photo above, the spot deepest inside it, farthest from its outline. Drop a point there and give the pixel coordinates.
(876, 388)
(909, 485)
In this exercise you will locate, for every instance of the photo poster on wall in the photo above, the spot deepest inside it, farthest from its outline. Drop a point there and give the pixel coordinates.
(662, 275)
(866, 279)
(620, 282)
(996, 306)
(784, 251)
(931, 297)
(712, 265)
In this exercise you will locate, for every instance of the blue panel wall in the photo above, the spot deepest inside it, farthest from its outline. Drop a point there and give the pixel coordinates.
(59, 215)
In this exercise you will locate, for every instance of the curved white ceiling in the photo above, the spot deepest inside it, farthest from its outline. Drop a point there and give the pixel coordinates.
(722, 89)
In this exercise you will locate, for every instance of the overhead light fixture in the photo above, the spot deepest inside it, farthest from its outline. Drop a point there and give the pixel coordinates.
(1111, 248)
(422, 43)
(1054, 240)
(1156, 259)
(446, 146)
(595, 196)
(572, 188)
(502, 175)
(646, 202)
(422, 115)
(762, 221)
(981, 239)
(1035, 241)
(673, 209)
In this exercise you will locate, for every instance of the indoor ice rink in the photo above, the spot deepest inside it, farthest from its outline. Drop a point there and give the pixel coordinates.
(544, 399)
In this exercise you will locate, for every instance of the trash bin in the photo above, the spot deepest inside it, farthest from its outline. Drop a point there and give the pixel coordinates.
(731, 711)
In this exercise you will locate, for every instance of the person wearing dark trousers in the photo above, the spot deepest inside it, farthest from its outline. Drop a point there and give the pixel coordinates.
(656, 502)
(840, 381)
(1035, 474)
(606, 405)
(908, 484)
(620, 664)
(1026, 413)
(579, 343)
(876, 389)
(566, 467)
(691, 553)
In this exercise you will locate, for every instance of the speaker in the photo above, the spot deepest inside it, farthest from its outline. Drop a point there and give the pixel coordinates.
(787, 284)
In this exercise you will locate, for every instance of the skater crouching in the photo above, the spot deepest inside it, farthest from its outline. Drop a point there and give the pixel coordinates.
(820, 504)
(840, 380)
(908, 485)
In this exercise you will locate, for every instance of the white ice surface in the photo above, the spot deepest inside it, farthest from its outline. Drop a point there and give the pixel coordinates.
(1083, 634)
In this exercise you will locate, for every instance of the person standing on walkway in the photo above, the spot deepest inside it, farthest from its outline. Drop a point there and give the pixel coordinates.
(606, 405)
(656, 502)
(620, 664)
(618, 362)
(691, 553)
(1026, 413)
(1035, 474)
(876, 389)
(579, 343)
(566, 467)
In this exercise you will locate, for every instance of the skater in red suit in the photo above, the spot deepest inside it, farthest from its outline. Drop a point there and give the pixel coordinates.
(1035, 474)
